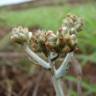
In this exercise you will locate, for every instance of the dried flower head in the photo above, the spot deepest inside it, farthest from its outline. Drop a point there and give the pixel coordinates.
(50, 42)
(67, 34)
(44, 41)
(20, 35)
(73, 23)
(67, 42)
(38, 40)
(64, 41)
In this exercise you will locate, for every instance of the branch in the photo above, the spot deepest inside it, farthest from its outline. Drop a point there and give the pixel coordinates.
(56, 82)
(62, 69)
(35, 57)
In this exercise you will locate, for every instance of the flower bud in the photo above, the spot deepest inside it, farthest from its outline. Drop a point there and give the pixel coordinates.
(73, 23)
(50, 42)
(73, 39)
(20, 35)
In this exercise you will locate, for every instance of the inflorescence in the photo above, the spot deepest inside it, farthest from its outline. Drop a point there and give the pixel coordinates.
(62, 41)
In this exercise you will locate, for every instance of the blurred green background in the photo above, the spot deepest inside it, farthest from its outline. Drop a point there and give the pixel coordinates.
(48, 14)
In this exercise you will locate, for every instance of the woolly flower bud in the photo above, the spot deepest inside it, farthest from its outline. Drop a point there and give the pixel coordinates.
(73, 39)
(73, 23)
(69, 44)
(66, 41)
(42, 37)
(68, 22)
(38, 41)
(50, 42)
(62, 31)
(20, 35)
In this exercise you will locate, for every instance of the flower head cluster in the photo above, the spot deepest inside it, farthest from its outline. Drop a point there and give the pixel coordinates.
(44, 41)
(20, 35)
(65, 40)
(72, 23)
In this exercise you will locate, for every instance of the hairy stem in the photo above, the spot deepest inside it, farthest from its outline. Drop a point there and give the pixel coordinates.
(35, 57)
(56, 82)
(57, 86)
(62, 69)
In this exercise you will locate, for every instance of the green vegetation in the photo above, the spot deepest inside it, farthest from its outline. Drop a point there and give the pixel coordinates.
(50, 17)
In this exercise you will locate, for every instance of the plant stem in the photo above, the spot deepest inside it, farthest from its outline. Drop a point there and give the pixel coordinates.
(56, 82)
(62, 69)
(35, 57)
(57, 86)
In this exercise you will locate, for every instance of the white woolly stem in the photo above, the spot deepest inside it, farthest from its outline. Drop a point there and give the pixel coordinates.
(35, 57)
(56, 82)
(62, 69)
(58, 86)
